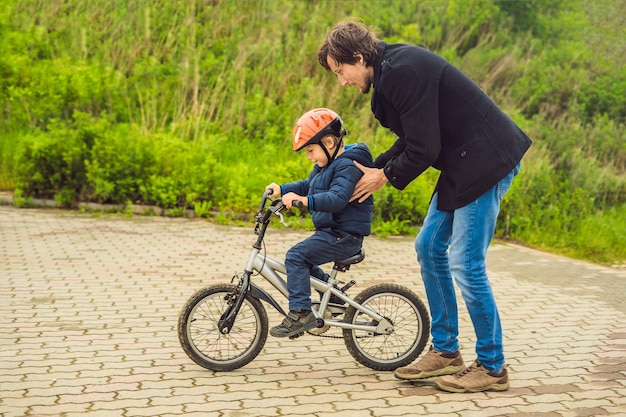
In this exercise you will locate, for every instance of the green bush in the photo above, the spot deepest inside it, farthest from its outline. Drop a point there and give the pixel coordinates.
(52, 165)
(120, 166)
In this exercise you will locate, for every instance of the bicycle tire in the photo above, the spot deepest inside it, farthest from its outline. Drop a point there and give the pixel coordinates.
(201, 339)
(408, 314)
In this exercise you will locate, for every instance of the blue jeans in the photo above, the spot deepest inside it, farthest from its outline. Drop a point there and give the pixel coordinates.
(454, 244)
(303, 260)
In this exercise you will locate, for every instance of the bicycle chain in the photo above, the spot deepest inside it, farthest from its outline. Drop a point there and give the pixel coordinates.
(333, 337)
(326, 336)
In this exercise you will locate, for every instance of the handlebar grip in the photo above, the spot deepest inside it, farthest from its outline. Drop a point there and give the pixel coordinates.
(297, 203)
(266, 194)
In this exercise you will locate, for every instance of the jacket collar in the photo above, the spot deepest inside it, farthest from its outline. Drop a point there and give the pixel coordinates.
(378, 62)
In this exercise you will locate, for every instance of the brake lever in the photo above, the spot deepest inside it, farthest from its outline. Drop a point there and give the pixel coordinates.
(282, 220)
(276, 209)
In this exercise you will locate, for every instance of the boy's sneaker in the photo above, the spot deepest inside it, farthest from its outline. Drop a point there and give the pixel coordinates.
(295, 323)
(474, 379)
(434, 363)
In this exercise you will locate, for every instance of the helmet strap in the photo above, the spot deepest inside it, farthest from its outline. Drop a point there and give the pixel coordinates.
(332, 158)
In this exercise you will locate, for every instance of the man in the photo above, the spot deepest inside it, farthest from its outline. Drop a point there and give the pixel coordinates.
(444, 120)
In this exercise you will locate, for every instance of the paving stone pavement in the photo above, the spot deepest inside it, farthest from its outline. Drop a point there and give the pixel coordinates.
(89, 304)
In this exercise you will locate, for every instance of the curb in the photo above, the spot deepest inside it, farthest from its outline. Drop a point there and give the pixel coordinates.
(6, 198)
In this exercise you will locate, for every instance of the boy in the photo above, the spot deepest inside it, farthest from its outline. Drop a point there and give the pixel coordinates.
(339, 224)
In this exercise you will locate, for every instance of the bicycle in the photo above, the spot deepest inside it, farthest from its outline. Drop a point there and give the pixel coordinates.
(224, 327)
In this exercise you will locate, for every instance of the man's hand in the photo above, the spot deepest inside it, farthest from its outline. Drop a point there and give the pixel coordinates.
(373, 179)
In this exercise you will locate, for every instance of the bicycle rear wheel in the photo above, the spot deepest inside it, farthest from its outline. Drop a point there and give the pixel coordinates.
(411, 327)
(201, 339)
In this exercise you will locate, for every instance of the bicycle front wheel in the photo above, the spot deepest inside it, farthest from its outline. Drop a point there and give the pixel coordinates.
(201, 339)
(411, 327)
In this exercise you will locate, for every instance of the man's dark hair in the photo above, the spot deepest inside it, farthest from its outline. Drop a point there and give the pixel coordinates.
(344, 41)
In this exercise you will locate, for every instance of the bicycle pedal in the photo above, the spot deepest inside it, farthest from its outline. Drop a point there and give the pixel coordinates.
(295, 336)
(347, 286)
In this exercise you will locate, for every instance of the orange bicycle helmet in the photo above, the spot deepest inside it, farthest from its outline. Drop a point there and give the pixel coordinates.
(314, 125)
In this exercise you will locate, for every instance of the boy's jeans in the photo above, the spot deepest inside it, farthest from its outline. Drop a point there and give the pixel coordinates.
(302, 260)
(467, 233)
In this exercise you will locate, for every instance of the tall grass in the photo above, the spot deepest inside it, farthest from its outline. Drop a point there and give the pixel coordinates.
(190, 103)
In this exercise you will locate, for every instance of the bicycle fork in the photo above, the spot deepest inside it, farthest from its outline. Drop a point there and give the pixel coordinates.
(244, 287)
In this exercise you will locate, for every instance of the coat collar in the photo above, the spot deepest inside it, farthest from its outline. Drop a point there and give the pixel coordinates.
(378, 62)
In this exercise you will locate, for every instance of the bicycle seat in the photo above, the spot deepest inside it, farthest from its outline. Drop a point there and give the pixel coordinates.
(354, 259)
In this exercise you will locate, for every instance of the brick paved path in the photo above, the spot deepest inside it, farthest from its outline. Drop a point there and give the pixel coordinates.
(88, 310)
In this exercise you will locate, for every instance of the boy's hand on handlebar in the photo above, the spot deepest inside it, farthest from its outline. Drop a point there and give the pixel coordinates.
(275, 189)
(289, 199)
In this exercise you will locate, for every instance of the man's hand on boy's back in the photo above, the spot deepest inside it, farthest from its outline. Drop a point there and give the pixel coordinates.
(373, 179)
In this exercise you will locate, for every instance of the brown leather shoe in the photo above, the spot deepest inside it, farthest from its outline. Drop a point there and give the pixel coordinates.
(474, 379)
(434, 363)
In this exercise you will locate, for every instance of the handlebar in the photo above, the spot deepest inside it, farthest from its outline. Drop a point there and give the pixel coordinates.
(276, 207)
(266, 194)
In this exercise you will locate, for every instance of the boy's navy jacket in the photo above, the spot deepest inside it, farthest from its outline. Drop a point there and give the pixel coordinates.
(329, 190)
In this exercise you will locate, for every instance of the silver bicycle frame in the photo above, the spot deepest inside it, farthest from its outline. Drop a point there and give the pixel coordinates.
(270, 268)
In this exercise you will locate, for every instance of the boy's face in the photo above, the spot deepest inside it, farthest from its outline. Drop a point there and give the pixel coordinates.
(315, 154)
(357, 75)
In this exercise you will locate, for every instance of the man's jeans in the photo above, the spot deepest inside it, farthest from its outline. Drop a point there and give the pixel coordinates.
(302, 260)
(467, 233)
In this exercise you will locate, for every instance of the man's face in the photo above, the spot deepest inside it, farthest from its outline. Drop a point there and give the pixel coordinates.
(357, 75)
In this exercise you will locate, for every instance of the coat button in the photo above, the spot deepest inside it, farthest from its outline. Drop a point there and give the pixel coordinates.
(463, 154)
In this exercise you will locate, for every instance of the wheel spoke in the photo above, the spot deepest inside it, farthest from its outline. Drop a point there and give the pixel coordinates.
(200, 336)
(408, 316)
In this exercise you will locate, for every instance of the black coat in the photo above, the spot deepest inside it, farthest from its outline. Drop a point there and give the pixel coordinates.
(443, 120)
